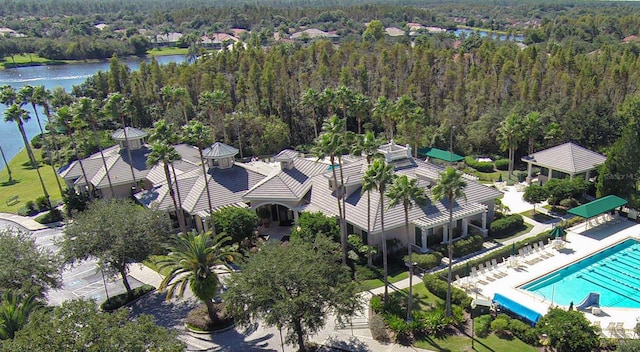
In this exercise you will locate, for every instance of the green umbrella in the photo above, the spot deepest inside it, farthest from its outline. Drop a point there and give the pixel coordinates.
(513, 249)
(557, 232)
(466, 270)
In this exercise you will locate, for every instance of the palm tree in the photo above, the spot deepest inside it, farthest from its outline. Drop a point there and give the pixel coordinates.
(450, 185)
(42, 97)
(343, 97)
(30, 95)
(402, 108)
(15, 113)
(310, 101)
(14, 313)
(532, 129)
(116, 106)
(191, 259)
(6, 165)
(86, 109)
(360, 107)
(65, 118)
(378, 176)
(329, 144)
(165, 153)
(382, 111)
(368, 145)
(406, 191)
(199, 136)
(509, 135)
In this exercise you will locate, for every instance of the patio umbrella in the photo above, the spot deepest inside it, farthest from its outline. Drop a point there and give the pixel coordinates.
(466, 270)
(513, 249)
(557, 232)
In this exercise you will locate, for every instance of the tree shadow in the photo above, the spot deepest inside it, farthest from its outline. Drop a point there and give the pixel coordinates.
(352, 344)
(234, 340)
(9, 183)
(169, 314)
(28, 166)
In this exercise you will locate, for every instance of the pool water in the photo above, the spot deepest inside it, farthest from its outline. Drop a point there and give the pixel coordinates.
(613, 272)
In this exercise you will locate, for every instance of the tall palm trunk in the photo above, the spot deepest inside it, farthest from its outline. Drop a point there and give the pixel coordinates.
(369, 255)
(34, 163)
(6, 165)
(384, 250)
(406, 229)
(84, 172)
(206, 185)
(343, 241)
(167, 174)
(46, 148)
(343, 216)
(104, 162)
(450, 255)
(175, 179)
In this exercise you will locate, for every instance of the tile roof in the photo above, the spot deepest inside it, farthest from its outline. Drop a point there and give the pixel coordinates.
(288, 184)
(219, 150)
(569, 158)
(132, 133)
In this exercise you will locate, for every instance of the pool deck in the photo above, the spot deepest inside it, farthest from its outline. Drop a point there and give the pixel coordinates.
(580, 244)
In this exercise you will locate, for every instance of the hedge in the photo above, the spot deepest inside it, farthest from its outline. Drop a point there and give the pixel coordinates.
(481, 166)
(463, 246)
(425, 261)
(506, 226)
(502, 164)
(498, 254)
(53, 215)
(121, 300)
(439, 288)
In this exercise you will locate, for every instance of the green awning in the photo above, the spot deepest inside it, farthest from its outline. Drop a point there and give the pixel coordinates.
(598, 206)
(440, 154)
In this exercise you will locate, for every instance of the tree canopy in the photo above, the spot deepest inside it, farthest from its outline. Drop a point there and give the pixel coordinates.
(77, 325)
(26, 268)
(568, 331)
(293, 286)
(117, 232)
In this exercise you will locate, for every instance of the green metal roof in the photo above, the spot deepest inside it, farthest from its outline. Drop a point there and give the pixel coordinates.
(598, 206)
(440, 154)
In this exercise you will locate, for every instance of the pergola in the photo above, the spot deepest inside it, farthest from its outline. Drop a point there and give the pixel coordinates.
(597, 207)
(565, 159)
(440, 154)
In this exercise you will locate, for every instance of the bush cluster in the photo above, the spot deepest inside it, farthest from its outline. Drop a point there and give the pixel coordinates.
(481, 166)
(569, 203)
(53, 215)
(463, 246)
(485, 324)
(425, 261)
(121, 300)
(502, 164)
(439, 288)
(506, 225)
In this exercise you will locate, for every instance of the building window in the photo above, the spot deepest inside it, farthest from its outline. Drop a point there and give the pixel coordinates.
(418, 237)
(365, 237)
(349, 229)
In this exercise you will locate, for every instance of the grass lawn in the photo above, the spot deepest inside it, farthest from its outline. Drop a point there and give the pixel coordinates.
(151, 264)
(26, 184)
(491, 343)
(393, 277)
(167, 51)
(527, 228)
(538, 216)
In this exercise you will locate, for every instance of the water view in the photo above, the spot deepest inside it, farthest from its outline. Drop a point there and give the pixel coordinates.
(65, 76)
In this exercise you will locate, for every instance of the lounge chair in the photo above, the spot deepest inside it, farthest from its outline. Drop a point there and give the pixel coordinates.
(619, 330)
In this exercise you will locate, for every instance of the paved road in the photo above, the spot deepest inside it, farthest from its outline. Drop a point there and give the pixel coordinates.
(83, 280)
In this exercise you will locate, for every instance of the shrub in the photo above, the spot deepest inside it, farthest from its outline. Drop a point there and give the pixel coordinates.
(569, 203)
(467, 245)
(499, 326)
(30, 206)
(439, 288)
(53, 215)
(364, 272)
(376, 304)
(479, 166)
(378, 329)
(502, 164)
(399, 326)
(36, 142)
(482, 325)
(434, 239)
(42, 203)
(523, 331)
(425, 261)
(120, 300)
(198, 318)
(522, 176)
(506, 226)
(433, 322)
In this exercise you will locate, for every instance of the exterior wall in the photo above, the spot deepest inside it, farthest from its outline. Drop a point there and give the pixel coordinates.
(120, 191)
(491, 206)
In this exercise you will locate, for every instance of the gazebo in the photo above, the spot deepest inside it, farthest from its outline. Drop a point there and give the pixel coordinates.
(562, 160)
(597, 207)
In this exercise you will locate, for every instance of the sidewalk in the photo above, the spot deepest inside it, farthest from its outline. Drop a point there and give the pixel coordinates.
(23, 221)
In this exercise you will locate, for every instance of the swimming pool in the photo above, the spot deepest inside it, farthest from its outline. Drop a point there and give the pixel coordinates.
(613, 272)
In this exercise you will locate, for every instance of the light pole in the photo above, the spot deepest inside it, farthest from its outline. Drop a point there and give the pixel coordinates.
(473, 308)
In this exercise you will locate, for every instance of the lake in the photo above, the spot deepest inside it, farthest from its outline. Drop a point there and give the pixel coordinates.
(65, 76)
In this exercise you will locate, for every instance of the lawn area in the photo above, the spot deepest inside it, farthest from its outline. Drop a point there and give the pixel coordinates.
(26, 184)
(167, 51)
(527, 228)
(397, 272)
(538, 216)
(151, 264)
(27, 60)
(491, 343)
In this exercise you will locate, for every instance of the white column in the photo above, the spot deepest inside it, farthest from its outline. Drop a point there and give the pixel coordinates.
(424, 239)
(295, 217)
(445, 229)
(465, 227)
(586, 176)
(484, 220)
(529, 167)
(550, 174)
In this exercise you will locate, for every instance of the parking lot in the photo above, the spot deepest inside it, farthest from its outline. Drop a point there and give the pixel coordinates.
(83, 280)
